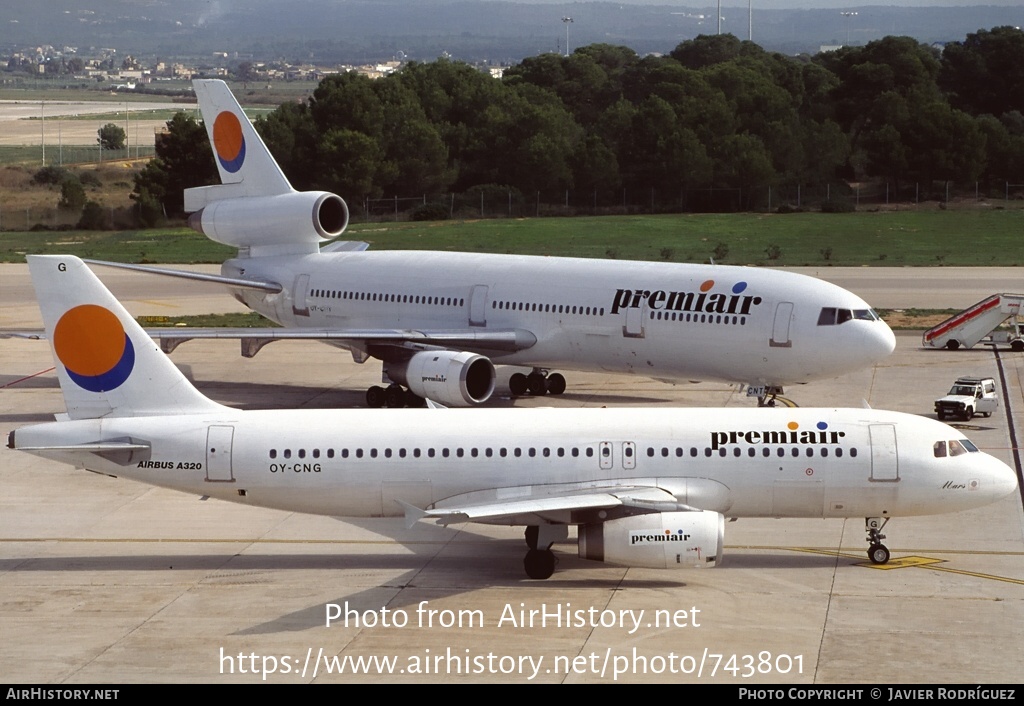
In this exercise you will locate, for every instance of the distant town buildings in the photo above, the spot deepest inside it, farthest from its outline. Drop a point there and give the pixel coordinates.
(104, 65)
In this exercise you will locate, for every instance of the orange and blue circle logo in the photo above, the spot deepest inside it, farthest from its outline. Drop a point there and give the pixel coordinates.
(91, 344)
(228, 141)
(737, 288)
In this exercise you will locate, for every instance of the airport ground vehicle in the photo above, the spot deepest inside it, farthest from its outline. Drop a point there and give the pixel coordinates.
(968, 396)
(979, 323)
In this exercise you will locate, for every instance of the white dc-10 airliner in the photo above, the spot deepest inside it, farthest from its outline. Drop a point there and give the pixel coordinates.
(644, 487)
(440, 320)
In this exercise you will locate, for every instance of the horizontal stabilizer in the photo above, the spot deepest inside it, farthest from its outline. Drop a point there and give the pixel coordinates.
(98, 447)
(272, 287)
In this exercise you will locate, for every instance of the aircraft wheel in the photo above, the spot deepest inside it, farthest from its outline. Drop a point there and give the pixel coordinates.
(532, 535)
(517, 385)
(878, 554)
(539, 563)
(537, 384)
(394, 396)
(556, 384)
(375, 396)
(952, 344)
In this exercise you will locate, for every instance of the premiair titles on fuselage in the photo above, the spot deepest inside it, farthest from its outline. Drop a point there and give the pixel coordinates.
(792, 435)
(701, 302)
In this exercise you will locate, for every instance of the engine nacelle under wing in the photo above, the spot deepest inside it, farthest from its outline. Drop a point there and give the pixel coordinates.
(666, 540)
(453, 378)
(296, 217)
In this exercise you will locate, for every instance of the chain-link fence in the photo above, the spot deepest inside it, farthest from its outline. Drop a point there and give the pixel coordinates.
(505, 202)
(103, 218)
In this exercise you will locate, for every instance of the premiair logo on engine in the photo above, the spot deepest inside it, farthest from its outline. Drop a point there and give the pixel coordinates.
(655, 537)
(706, 301)
(821, 435)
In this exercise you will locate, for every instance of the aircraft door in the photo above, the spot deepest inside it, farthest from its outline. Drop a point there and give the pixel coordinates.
(300, 307)
(219, 440)
(478, 305)
(634, 327)
(884, 456)
(780, 328)
(628, 455)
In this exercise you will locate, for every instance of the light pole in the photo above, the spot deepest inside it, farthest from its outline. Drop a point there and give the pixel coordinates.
(567, 21)
(849, 16)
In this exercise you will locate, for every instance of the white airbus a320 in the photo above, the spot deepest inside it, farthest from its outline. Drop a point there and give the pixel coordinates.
(643, 487)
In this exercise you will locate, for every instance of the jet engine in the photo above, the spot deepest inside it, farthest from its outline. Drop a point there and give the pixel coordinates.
(455, 379)
(666, 540)
(298, 216)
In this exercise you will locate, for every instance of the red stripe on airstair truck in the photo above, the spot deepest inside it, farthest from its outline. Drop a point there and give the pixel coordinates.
(960, 318)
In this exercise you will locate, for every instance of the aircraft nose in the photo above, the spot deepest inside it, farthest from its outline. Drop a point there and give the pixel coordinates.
(1004, 479)
(883, 340)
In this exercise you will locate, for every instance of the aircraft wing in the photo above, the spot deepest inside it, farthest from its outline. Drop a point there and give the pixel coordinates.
(534, 505)
(476, 339)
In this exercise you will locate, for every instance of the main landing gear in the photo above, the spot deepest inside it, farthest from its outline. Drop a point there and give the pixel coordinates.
(540, 560)
(537, 383)
(393, 395)
(878, 553)
(771, 392)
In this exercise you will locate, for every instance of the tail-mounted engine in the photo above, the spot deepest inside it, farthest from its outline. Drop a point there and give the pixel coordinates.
(295, 217)
(666, 540)
(453, 378)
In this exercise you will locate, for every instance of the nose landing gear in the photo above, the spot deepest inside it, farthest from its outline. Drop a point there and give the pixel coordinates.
(878, 553)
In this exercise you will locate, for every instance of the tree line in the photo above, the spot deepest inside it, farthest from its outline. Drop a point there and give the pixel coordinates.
(714, 113)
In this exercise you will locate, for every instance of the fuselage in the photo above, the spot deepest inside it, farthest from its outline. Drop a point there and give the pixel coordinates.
(662, 320)
(738, 462)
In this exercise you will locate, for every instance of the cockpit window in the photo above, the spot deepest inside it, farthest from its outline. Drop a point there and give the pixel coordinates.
(831, 316)
(957, 447)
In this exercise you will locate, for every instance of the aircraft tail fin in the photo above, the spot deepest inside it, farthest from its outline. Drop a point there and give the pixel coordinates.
(255, 208)
(106, 364)
(245, 164)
